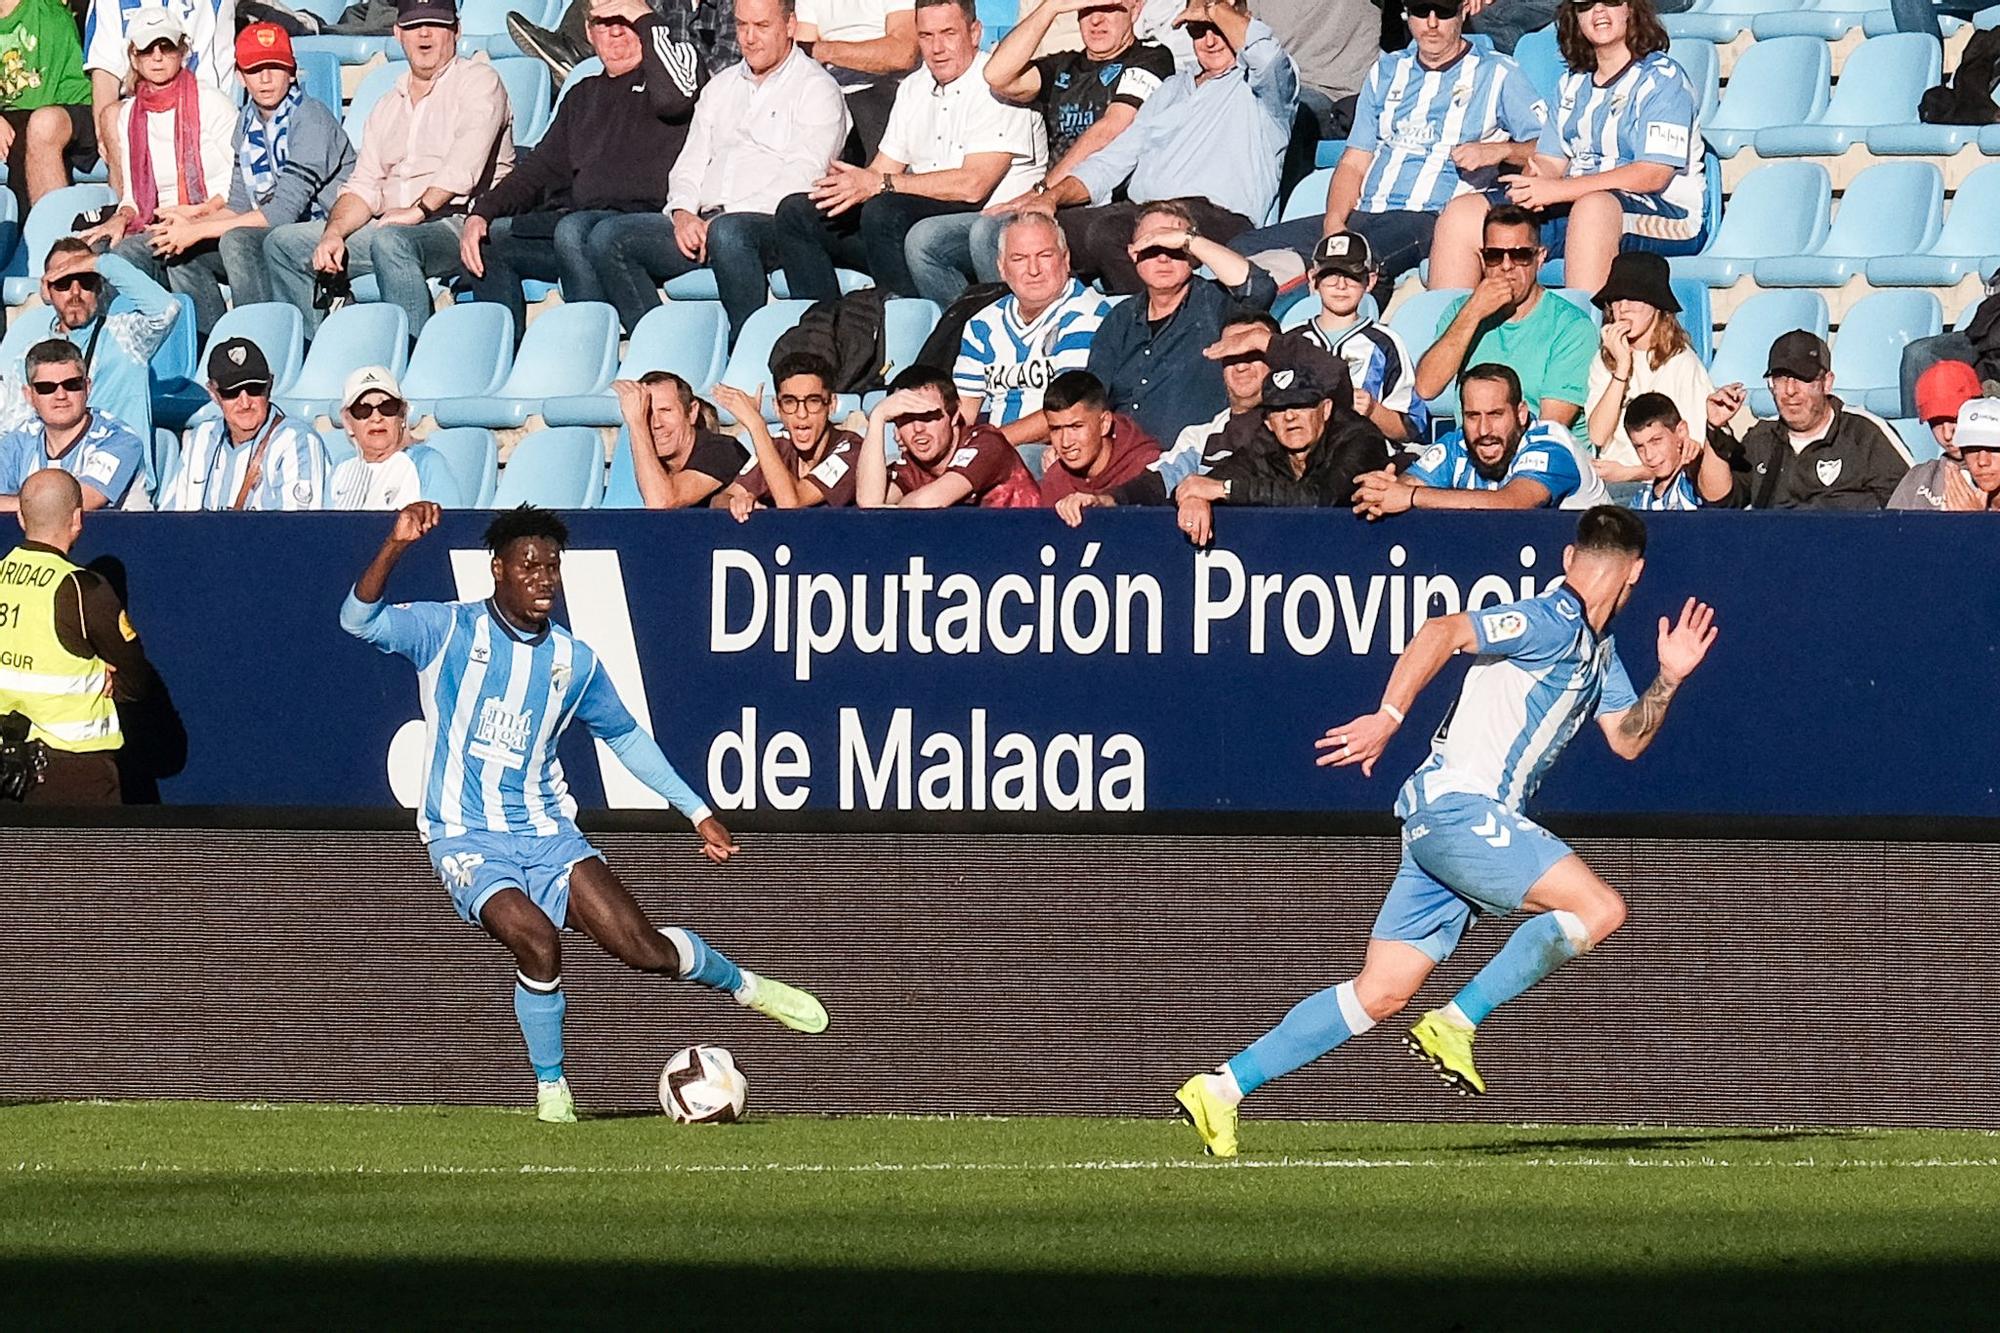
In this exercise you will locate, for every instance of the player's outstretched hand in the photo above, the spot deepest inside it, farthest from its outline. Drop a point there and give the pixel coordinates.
(1682, 646)
(716, 844)
(1358, 742)
(414, 520)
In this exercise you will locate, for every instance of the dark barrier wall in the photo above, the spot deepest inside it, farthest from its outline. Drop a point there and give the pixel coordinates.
(1022, 653)
(1758, 982)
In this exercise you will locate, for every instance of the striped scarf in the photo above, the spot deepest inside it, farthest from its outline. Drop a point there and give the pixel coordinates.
(264, 145)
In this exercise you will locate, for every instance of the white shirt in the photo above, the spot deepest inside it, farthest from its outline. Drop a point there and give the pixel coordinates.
(218, 148)
(360, 484)
(211, 29)
(851, 20)
(933, 128)
(753, 141)
(1683, 379)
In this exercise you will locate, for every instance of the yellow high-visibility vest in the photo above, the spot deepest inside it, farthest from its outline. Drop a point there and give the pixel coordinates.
(64, 696)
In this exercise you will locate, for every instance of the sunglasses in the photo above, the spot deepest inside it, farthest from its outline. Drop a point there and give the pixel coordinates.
(609, 23)
(388, 407)
(160, 47)
(90, 282)
(1585, 6)
(1432, 9)
(74, 384)
(1197, 31)
(1161, 252)
(1498, 256)
(255, 389)
(791, 402)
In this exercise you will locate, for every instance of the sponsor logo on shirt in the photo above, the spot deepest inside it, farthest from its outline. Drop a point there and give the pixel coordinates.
(831, 470)
(1503, 625)
(502, 734)
(1536, 462)
(100, 466)
(1667, 138)
(964, 457)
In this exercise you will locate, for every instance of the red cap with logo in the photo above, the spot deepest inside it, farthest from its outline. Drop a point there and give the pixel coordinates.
(263, 44)
(1944, 388)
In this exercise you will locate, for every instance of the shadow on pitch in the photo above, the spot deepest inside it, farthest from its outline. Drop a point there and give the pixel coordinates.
(1657, 1140)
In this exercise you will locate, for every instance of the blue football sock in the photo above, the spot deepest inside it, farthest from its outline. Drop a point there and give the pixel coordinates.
(1540, 946)
(1314, 1026)
(701, 964)
(539, 1006)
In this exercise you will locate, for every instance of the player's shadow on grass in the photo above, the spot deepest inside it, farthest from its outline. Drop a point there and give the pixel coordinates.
(1707, 1141)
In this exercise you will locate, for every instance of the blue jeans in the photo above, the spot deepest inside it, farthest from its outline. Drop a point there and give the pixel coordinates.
(553, 254)
(1400, 241)
(401, 258)
(869, 238)
(234, 259)
(949, 252)
(633, 254)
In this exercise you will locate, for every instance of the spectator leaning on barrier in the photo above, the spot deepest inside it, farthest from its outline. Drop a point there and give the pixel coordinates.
(1378, 361)
(250, 456)
(44, 99)
(868, 46)
(677, 461)
(384, 472)
(1511, 319)
(1012, 350)
(438, 139)
(950, 147)
(1943, 393)
(1213, 137)
(68, 653)
(1086, 99)
(1499, 458)
(290, 159)
(1644, 350)
(1091, 448)
(77, 289)
(606, 156)
(812, 463)
(945, 461)
(1819, 453)
(1148, 352)
(65, 433)
(1679, 469)
(765, 128)
(210, 26)
(1439, 119)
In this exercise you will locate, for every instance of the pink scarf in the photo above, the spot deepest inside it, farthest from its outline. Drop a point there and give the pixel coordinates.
(183, 102)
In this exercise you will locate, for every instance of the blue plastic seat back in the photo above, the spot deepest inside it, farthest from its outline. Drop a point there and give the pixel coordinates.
(621, 490)
(1541, 60)
(174, 359)
(319, 75)
(528, 93)
(327, 11)
(560, 468)
(1883, 80)
(278, 330)
(1704, 71)
(750, 364)
(1696, 316)
(1893, 208)
(49, 221)
(464, 350)
(488, 18)
(1868, 348)
(1722, 20)
(473, 455)
(1308, 197)
(1972, 224)
(689, 338)
(374, 86)
(1781, 209)
(372, 334)
(906, 323)
(1742, 354)
(1779, 82)
(1417, 321)
(583, 69)
(436, 480)
(570, 349)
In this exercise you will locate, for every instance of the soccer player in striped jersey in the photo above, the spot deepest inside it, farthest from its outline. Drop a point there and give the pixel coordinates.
(499, 683)
(1544, 667)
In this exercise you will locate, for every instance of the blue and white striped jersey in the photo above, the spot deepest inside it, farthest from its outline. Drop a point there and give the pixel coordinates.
(1378, 361)
(1646, 114)
(1547, 454)
(1680, 494)
(291, 473)
(1410, 118)
(495, 704)
(1009, 362)
(1542, 673)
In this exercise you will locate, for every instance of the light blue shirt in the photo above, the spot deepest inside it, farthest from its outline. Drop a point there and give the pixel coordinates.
(1680, 494)
(106, 458)
(291, 474)
(1547, 454)
(119, 386)
(1646, 114)
(1410, 117)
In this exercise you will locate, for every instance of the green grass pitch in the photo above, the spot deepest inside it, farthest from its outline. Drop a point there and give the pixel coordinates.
(213, 1215)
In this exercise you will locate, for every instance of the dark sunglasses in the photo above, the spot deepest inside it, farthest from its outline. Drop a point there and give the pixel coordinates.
(90, 282)
(1197, 31)
(792, 402)
(74, 384)
(255, 388)
(160, 47)
(1585, 6)
(1432, 9)
(609, 23)
(388, 407)
(1161, 252)
(1493, 256)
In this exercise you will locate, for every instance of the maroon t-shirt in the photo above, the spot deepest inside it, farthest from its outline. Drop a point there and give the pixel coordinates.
(834, 474)
(1000, 480)
(1132, 452)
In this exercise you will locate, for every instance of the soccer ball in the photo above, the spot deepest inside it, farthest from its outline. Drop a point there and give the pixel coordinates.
(701, 1085)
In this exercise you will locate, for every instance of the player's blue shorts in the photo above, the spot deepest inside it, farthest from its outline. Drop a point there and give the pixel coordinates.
(1462, 854)
(477, 865)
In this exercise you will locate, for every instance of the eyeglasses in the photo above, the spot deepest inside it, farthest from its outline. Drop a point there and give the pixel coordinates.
(812, 402)
(1499, 256)
(160, 47)
(1585, 6)
(74, 384)
(1160, 252)
(1197, 31)
(255, 388)
(90, 282)
(388, 407)
(1432, 9)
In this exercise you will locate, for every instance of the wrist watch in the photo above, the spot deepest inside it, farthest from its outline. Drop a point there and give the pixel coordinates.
(888, 183)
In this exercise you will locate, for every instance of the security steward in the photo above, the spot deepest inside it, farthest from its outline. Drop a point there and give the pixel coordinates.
(68, 653)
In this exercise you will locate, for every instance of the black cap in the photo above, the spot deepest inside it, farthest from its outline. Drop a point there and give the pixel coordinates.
(1294, 381)
(1343, 252)
(1801, 355)
(236, 362)
(1637, 275)
(419, 13)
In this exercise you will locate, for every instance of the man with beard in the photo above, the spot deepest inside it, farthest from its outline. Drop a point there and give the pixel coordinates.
(1501, 458)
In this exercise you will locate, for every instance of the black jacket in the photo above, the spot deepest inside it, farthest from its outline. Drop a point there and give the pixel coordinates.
(1260, 473)
(1853, 466)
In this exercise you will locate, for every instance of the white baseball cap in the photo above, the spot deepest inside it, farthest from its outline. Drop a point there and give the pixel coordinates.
(152, 23)
(367, 380)
(1978, 424)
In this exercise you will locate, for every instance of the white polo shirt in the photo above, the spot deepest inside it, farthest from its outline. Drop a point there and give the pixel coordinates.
(851, 20)
(753, 142)
(933, 128)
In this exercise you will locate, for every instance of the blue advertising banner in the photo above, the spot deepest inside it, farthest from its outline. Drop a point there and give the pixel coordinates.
(971, 663)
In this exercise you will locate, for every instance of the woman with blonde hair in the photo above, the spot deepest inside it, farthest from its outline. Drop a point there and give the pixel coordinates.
(1645, 350)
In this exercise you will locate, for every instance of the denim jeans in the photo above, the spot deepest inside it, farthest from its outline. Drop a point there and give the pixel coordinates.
(401, 258)
(869, 238)
(948, 253)
(1400, 241)
(562, 257)
(235, 259)
(635, 253)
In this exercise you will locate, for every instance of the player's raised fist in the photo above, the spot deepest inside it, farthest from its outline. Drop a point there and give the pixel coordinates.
(414, 520)
(716, 844)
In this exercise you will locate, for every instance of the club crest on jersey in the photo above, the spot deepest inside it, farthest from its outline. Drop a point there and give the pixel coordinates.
(559, 677)
(1828, 470)
(1503, 625)
(1109, 74)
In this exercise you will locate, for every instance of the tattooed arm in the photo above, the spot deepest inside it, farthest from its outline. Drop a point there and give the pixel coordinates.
(1682, 647)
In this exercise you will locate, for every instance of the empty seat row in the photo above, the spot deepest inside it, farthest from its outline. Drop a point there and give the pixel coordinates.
(1824, 20)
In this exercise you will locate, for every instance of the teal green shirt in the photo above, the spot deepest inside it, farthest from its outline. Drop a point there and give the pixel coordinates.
(41, 58)
(1550, 349)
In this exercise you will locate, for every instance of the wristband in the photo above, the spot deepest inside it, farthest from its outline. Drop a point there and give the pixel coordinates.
(1392, 711)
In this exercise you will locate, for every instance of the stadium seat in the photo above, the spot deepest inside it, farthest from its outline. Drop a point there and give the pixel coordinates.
(350, 50)
(1703, 71)
(162, 462)
(1918, 442)
(750, 364)
(1828, 20)
(482, 26)
(621, 490)
(371, 334)
(1541, 60)
(1577, 297)
(570, 349)
(1880, 85)
(1724, 21)
(10, 225)
(464, 351)
(850, 281)
(339, 448)
(1308, 197)
(172, 372)
(1035, 456)
(562, 468)
(374, 85)
(689, 338)
(1779, 82)
(1967, 244)
(1696, 315)
(1893, 208)
(1868, 347)
(48, 221)
(319, 75)
(528, 92)
(906, 323)
(436, 480)
(1417, 321)
(474, 458)
(1740, 357)
(1782, 209)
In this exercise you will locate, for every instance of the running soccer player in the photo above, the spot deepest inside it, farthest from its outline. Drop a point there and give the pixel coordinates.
(1545, 666)
(500, 682)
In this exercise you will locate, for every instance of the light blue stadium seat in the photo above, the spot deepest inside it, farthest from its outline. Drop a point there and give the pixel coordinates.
(906, 322)
(474, 458)
(10, 227)
(326, 11)
(371, 334)
(1697, 315)
(319, 75)
(1917, 439)
(1722, 20)
(562, 468)
(1308, 197)
(436, 481)
(1880, 85)
(482, 26)
(1704, 71)
(750, 364)
(1880, 22)
(1828, 20)
(850, 281)
(171, 373)
(48, 221)
(1893, 208)
(1329, 152)
(1035, 456)
(339, 448)
(689, 338)
(1968, 243)
(350, 50)
(1417, 321)
(464, 351)
(1782, 209)
(1868, 348)
(1741, 355)
(570, 349)
(1577, 297)
(621, 489)
(374, 86)
(528, 92)
(1541, 60)
(1779, 82)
